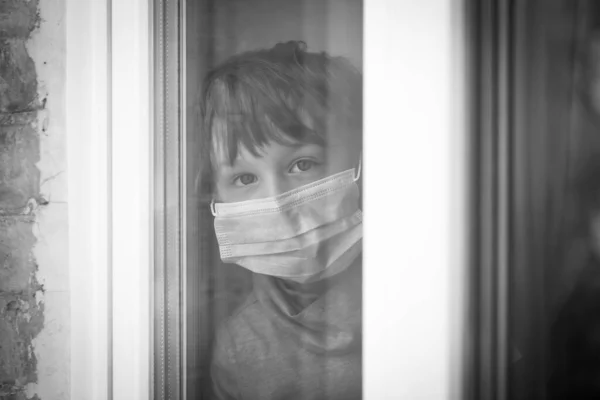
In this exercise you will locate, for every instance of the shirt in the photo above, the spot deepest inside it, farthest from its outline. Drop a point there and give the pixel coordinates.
(272, 349)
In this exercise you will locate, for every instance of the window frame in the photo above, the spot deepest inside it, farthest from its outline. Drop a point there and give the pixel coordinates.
(117, 278)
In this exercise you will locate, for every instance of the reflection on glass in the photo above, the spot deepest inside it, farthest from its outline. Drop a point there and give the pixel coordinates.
(554, 291)
(277, 158)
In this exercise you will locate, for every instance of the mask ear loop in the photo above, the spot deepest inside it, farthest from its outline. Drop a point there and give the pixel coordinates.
(212, 208)
(358, 169)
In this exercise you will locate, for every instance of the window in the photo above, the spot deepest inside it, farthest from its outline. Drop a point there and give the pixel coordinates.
(195, 293)
(165, 239)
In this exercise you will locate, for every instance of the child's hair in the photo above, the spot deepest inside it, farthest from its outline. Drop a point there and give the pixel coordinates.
(282, 94)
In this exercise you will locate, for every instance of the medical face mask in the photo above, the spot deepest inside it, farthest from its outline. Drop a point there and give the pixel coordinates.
(306, 234)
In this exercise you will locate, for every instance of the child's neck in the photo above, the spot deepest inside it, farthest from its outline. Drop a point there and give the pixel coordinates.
(301, 295)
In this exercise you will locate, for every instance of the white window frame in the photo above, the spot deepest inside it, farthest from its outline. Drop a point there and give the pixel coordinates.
(415, 199)
(414, 286)
(131, 208)
(89, 150)
(109, 118)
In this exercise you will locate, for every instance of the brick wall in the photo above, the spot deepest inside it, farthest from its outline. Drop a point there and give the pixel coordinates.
(31, 155)
(21, 316)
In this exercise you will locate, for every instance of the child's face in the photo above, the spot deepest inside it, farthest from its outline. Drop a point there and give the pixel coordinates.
(280, 168)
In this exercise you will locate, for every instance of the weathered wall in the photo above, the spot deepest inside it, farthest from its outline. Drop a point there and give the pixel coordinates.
(34, 303)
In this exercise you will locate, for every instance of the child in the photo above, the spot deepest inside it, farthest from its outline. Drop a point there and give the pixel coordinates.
(282, 140)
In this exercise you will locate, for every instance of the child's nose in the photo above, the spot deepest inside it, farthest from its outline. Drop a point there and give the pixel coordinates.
(275, 186)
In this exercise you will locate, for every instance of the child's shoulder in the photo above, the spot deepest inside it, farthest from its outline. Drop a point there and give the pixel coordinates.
(249, 323)
(246, 306)
(248, 312)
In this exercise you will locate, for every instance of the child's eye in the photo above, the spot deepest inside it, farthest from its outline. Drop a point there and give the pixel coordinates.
(302, 166)
(245, 179)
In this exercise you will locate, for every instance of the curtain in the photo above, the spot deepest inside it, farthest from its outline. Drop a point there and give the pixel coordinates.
(552, 139)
